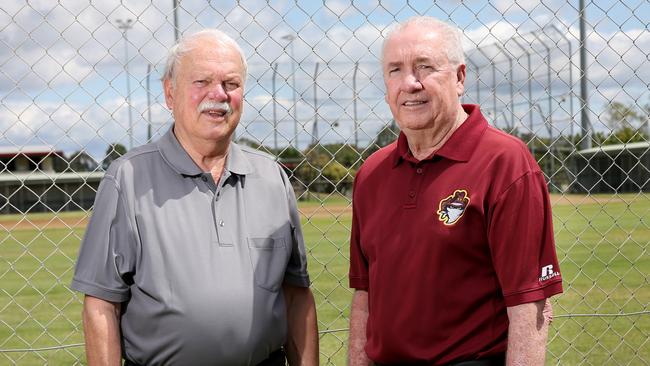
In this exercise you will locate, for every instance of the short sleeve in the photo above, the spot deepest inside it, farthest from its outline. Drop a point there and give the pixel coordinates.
(521, 240)
(296, 273)
(106, 261)
(358, 274)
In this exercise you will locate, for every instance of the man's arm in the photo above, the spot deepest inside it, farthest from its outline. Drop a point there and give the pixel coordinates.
(101, 320)
(358, 321)
(302, 328)
(528, 333)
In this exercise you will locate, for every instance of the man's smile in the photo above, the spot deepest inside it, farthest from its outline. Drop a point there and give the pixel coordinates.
(410, 103)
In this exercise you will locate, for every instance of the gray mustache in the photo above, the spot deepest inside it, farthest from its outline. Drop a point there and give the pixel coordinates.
(209, 104)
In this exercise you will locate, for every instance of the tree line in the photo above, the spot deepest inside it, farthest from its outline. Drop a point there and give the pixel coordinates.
(324, 168)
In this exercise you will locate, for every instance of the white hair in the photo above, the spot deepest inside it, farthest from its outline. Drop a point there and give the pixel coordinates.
(451, 36)
(187, 43)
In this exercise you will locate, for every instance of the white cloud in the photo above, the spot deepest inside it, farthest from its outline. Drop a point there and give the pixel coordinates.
(534, 9)
(337, 7)
(62, 62)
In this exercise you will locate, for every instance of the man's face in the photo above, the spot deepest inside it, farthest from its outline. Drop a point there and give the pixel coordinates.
(207, 75)
(422, 87)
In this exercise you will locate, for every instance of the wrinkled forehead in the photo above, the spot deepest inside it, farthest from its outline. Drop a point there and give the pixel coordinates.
(205, 51)
(411, 43)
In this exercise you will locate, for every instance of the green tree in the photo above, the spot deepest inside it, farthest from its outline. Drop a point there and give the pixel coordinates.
(309, 169)
(338, 176)
(386, 135)
(321, 172)
(345, 154)
(290, 158)
(623, 135)
(80, 161)
(113, 152)
(628, 123)
(619, 116)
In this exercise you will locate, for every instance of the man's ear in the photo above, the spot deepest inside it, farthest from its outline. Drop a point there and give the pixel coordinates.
(169, 93)
(461, 72)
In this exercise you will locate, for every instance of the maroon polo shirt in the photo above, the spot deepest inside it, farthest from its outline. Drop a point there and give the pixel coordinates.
(443, 245)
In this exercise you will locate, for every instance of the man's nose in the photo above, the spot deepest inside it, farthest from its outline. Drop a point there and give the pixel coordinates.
(217, 92)
(411, 83)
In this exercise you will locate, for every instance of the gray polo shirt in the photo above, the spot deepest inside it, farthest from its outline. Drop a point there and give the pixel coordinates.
(198, 265)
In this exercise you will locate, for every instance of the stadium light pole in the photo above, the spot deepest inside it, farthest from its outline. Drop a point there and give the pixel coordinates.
(275, 117)
(290, 38)
(148, 103)
(354, 104)
(125, 26)
(314, 130)
(584, 97)
(549, 148)
(175, 7)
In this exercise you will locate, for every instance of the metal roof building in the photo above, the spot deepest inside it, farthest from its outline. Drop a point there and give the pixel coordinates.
(34, 179)
(613, 169)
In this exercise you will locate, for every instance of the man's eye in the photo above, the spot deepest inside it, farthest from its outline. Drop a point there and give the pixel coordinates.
(393, 71)
(200, 82)
(232, 86)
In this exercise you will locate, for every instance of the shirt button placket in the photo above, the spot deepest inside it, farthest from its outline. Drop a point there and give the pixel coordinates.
(416, 182)
(220, 224)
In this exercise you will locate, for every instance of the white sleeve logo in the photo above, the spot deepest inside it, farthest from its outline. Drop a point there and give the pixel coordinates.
(548, 273)
(547, 270)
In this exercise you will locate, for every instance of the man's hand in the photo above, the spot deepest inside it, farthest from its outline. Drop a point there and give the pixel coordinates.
(101, 320)
(302, 331)
(358, 321)
(528, 333)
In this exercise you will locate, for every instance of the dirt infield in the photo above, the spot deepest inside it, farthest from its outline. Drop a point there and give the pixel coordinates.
(15, 222)
(55, 222)
(326, 210)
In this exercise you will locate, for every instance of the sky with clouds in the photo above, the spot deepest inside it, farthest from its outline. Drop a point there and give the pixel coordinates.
(63, 77)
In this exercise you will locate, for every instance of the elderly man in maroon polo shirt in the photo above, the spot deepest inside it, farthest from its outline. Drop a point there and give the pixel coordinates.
(452, 251)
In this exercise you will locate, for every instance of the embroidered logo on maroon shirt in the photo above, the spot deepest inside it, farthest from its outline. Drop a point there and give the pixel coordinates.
(452, 208)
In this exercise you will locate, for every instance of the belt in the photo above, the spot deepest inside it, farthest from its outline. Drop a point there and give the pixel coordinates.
(276, 358)
(499, 360)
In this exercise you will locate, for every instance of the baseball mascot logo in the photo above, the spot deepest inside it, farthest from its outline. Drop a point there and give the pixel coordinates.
(452, 208)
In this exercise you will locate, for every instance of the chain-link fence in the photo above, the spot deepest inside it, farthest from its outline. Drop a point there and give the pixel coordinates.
(79, 85)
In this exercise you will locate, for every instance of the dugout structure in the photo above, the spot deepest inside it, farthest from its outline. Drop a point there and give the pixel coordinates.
(613, 169)
(35, 179)
(43, 192)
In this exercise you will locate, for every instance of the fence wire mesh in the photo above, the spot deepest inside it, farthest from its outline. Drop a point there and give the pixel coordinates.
(79, 84)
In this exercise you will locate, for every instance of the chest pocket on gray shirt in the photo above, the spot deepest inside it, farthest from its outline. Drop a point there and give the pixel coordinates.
(269, 257)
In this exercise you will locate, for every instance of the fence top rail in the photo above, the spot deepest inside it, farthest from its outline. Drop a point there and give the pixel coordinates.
(38, 176)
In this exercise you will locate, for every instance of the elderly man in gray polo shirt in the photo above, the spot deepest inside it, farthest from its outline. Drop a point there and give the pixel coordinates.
(194, 253)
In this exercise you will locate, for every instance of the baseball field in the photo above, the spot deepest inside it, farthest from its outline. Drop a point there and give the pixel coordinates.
(602, 318)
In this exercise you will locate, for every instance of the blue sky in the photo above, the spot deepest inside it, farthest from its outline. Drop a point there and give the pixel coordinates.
(62, 77)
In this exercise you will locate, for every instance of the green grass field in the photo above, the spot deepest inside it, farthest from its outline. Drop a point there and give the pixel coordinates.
(603, 244)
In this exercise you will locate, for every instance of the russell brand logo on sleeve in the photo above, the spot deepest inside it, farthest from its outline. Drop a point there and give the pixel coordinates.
(452, 208)
(548, 273)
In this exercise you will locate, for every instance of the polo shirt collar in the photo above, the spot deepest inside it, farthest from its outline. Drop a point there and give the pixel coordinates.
(181, 162)
(459, 147)
(237, 162)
